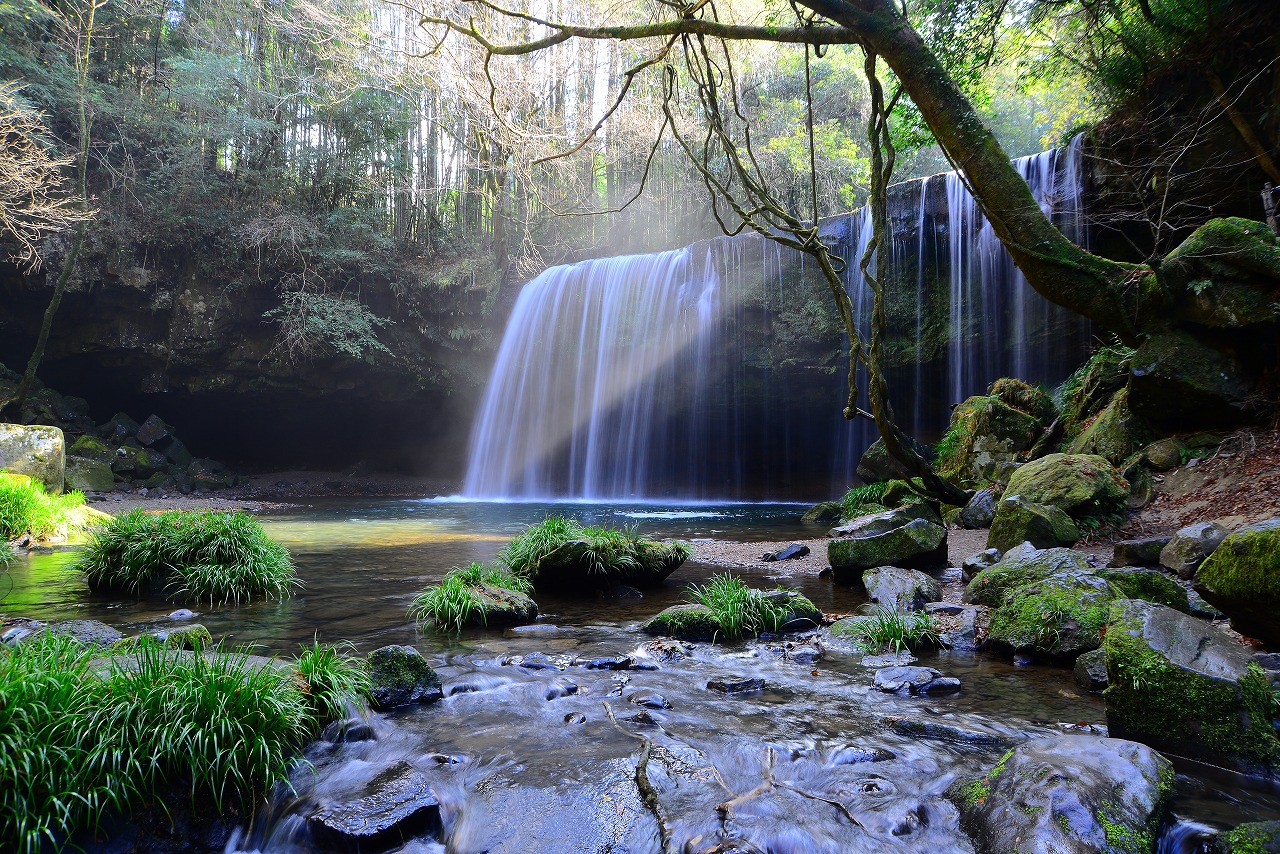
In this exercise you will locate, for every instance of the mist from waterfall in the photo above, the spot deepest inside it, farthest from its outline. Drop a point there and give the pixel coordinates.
(650, 376)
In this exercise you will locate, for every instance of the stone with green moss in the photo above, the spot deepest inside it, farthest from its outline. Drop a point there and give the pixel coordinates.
(899, 493)
(1186, 686)
(1256, 837)
(35, 451)
(1242, 579)
(1069, 795)
(1149, 584)
(1019, 520)
(1079, 484)
(1019, 568)
(917, 544)
(985, 437)
(687, 622)
(1057, 618)
(823, 511)
(1164, 454)
(876, 466)
(1024, 397)
(88, 475)
(401, 676)
(1179, 383)
(1114, 434)
(1227, 271)
(91, 447)
(193, 637)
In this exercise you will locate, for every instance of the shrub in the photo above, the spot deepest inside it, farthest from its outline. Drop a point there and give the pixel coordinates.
(607, 550)
(740, 610)
(25, 508)
(200, 556)
(78, 739)
(891, 630)
(454, 602)
(861, 500)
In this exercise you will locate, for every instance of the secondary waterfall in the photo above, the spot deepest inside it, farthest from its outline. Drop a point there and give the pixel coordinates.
(716, 371)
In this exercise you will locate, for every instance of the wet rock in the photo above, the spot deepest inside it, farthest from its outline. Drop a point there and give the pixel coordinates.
(1058, 617)
(89, 632)
(88, 475)
(1079, 484)
(894, 680)
(1187, 687)
(805, 654)
(608, 662)
(1069, 795)
(1191, 546)
(794, 551)
(1256, 837)
(1140, 552)
(649, 700)
(1152, 585)
(349, 730)
(889, 659)
(1020, 567)
(575, 718)
(1018, 520)
(573, 565)
(1090, 671)
(401, 676)
(945, 609)
(980, 511)
(181, 614)
(975, 563)
(825, 511)
(538, 661)
(916, 728)
(537, 630)
(1241, 578)
(498, 606)
(191, 636)
(394, 807)
(855, 755)
(669, 650)
(556, 690)
(37, 452)
(939, 687)
(907, 537)
(17, 629)
(901, 589)
(744, 685)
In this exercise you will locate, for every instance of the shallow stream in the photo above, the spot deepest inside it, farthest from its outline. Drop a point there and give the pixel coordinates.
(544, 760)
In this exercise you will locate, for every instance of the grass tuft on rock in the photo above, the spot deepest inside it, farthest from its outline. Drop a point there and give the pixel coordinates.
(863, 500)
(212, 557)
(884, 629)
(81, 737)
(335, 678)
(25, 508)
(740, 611)
(456, 602)
(615, 552)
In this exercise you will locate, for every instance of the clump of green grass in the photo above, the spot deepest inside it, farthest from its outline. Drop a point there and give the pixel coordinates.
(25, 508)
(217, 558)
(861, 500)
(79, 739)
(740, 610)
(890, 630)
(335, 679)
(606, 550)
(455, 602)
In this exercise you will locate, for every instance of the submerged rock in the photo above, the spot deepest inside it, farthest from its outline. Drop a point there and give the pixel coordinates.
(907, 537)
(742, 685)
(901, 589)
(394, 807)
(1069, 795)
(1191, 546)
(1242, 579)
(400, 676)
(1186, 686)
(1019, 520)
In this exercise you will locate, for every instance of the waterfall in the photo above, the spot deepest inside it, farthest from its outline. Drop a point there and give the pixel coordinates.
(715, 372)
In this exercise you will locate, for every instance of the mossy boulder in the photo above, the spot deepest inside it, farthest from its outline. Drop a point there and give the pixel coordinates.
(91, 447)
(1115, 434)
(688, 622)
(401, 676)
(1190, 546)
(1024, 397)
(984, 440)
(1021, 567)
(900, 493)
(1069, 795)
(1164, 454)
(1226, 273)
(1057, 618)
(194, 637)
(887, 540)
(1020, 520)
(1255, 837)
(1178, 383)
(1242, 579)
(575, 565)
(88, 475)
(1079, 484)
(38, 452)
(824, 511)
(901, 589)
(876, 466)
(1187, 687)
(1149, 584)
(498, 606)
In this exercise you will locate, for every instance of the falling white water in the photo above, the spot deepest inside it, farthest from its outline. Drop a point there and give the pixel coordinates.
(644, 376)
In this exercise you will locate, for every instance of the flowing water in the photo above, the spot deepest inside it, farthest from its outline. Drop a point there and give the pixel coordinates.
(544, 760)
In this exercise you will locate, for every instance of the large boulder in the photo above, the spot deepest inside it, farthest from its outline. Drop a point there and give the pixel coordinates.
(1187, 687)
(908, 537)
(980, 511)
(1255, 837)
(984, 440)
(93, 448)
(88, 475)
(1140, 552)
(400, 676)
(575, 565)
(38, 452)
(499, 606)
(1057, 618)
(1020, 520)
(1080, 484)
(1149, 584)
(1242, 579)
(1190, 546)
(1115, 434)
(1070, 795)
(1019, 568)
(901, 589)
(824, 511)
(876, 465)
(1177, 383)
(696, 622)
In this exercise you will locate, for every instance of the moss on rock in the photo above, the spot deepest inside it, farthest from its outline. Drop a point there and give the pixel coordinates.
(1018, 520)
(987, 434)
(1114, 434)
(1059, 617)
(1255, 837)
(1151, 585)
(1079, 484)
(1242, 579)
(993, 584)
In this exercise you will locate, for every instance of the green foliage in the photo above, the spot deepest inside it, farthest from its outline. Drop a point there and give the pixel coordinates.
(608, 550)
(313, 322)
(25, 508)
(335, 679)
(200, 556)
(454, 602)
(1087, 390)
(739, 610)
(890, 630)
(80, 738)
(861, 500)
